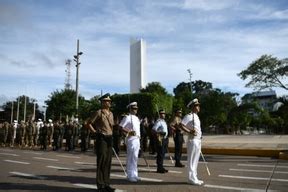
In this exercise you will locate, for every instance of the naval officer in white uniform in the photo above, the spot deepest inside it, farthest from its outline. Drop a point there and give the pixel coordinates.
(130, 124)
(191, 124)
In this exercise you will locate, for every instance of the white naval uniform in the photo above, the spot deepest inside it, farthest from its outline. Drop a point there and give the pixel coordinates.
(161, 126)
(193, 145)
(132, 123)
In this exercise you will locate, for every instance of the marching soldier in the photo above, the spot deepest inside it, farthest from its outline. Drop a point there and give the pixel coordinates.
(75, 137)
(6, 126)
(22, 132)
(50, 131)
(39, 126)
(130, 124)
(56, 136)
(69, 132)
(84, 136)
(160, 129)
(102, 123)
(30, 132)
(12, 132)
(175, 127)
(2, 134)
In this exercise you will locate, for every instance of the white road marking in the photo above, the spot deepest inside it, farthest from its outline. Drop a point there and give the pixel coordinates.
(142, 178)
(35, 153)
(255, 165)
(116, 161)
(253, 178)
(42, 158)
(61, 168)
(235, 188)
(69, 156)
(27, 175)
(154, 170)
(258, 171)
(19, 162)
(89, 186)
(9, 154)
(84, 163)
(7, 150)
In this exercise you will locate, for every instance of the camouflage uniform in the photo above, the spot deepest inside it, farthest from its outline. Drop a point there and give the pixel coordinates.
(21, 134)
(6, 126)
(30, 131)
(85, 141)
(56, 136)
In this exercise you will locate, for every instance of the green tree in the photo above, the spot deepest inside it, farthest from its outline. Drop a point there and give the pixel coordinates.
(266, 72)
(162, 100)
(29, 109)
(63, 103)
(154, 87)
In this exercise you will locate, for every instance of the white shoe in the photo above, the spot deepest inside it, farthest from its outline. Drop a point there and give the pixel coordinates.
(200, 181)
(195, 183)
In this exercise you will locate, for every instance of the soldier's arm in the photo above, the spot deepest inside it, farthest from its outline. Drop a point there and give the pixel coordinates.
(184, 128)
(89, 122)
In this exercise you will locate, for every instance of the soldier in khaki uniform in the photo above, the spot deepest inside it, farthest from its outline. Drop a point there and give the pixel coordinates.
(29, 135)
(102, 123)
(177, 134)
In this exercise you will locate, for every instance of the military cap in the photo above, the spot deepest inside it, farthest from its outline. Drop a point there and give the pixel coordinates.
(179, 110)
(162, 111)
(192, 103)
(105, 97)
(132, 105)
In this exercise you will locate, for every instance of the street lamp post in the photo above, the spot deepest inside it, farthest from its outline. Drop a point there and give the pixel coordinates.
(12, 110)
(190, 79)
(76, 59)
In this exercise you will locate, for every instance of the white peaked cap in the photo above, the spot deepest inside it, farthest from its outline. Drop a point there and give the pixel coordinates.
(50, 120)
(15, 121)
(193, 103)
(132, 104)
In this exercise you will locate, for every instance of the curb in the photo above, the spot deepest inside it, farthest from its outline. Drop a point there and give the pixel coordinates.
(275, 153)
(283, 155)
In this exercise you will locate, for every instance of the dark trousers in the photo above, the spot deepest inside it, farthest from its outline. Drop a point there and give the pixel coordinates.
(178, 142)
(104, 158)
(161, 150)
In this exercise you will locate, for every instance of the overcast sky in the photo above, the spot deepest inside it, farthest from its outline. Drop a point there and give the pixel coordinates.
(216, 39)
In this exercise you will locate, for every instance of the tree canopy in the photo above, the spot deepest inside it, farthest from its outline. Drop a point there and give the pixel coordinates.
(266, 72)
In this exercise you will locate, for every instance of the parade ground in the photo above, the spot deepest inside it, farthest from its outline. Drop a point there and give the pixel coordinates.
(230, 168)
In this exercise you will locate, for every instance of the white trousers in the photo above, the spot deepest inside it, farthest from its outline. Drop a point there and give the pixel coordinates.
(133, 147)
(193, 154)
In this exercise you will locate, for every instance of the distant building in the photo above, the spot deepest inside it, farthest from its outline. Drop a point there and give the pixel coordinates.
(137, 65)
(265, 99)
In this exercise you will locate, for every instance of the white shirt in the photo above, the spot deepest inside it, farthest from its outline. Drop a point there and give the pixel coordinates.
(191, 121)
(160, 126)
(132, 123)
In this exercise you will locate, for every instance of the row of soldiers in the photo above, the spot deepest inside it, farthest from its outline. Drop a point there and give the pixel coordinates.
(45, 134)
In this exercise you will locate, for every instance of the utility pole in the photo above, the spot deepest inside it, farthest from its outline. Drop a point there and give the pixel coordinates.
(76, 59)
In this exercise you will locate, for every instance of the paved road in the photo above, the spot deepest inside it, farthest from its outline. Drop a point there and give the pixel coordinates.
(27, 170)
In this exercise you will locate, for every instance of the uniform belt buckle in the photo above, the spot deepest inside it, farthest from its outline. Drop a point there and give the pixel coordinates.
(131, 133)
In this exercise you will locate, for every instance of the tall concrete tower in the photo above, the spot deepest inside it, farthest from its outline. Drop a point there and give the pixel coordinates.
(137, 65)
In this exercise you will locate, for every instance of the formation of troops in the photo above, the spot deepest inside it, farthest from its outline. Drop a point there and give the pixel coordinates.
(45, 135)
(107, 133)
